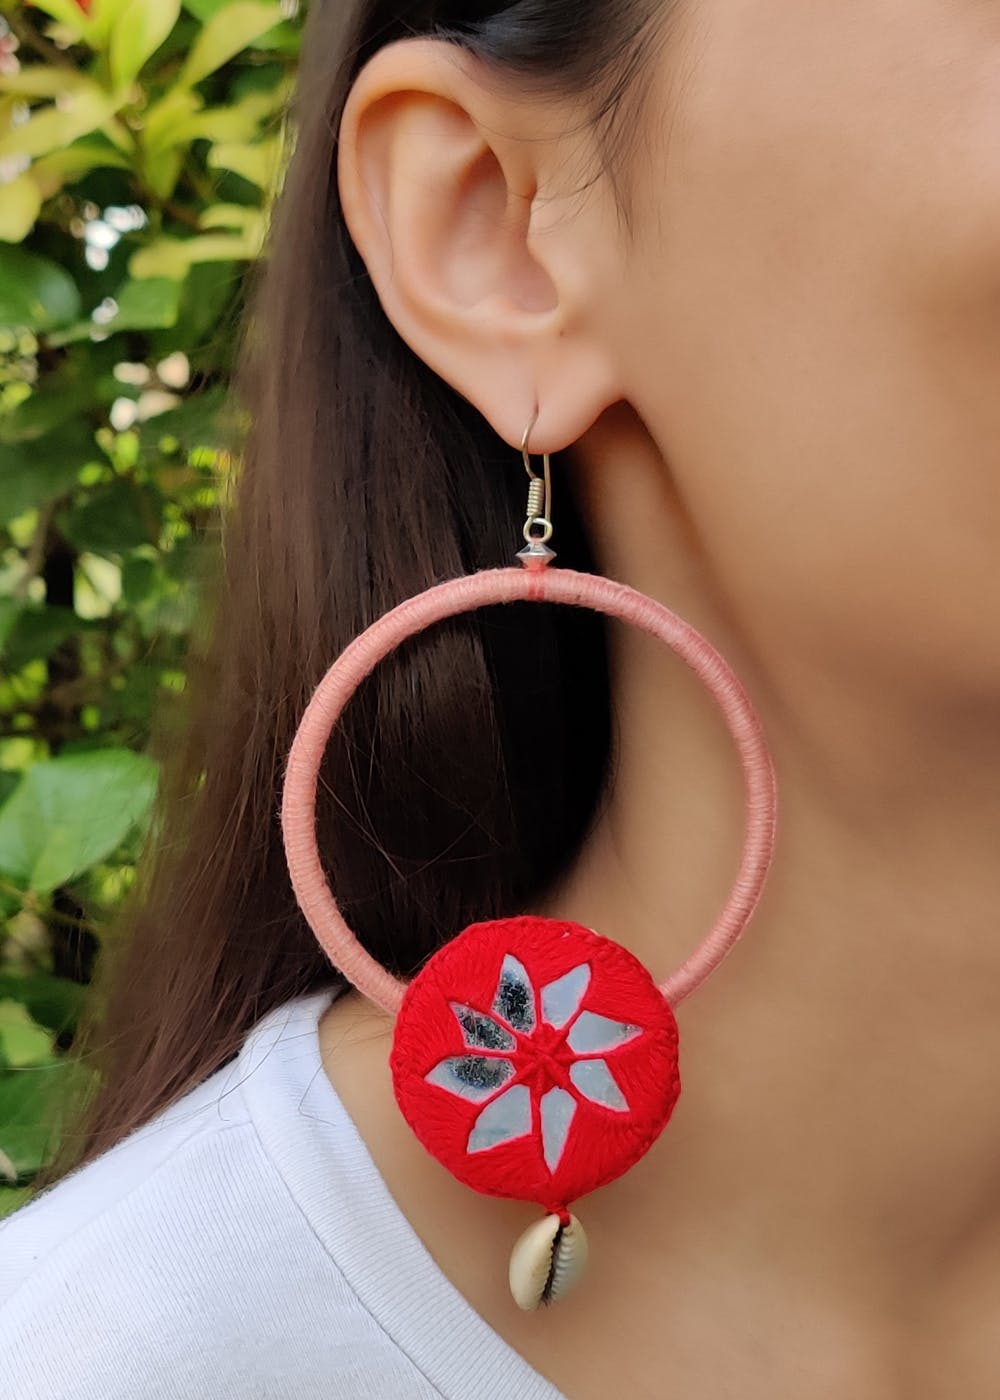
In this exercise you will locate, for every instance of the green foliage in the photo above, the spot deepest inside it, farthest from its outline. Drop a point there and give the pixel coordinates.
(140, 147)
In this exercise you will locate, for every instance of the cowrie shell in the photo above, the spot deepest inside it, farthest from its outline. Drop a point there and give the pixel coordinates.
(547, 1261)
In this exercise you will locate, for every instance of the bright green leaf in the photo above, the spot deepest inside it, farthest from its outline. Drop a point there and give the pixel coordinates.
(68, 13)
(104, 15)
(258, 163)
(53, 127)
(69, 812)
(238, 216)
(89, 153)
(164, 118)
(41, 80)
(165, 257)
(236, 123)
(22, 1041)
(282, 39)
(163, 169)
(19, 208)
(226, 34)
(137, 33)
(171, 257)
(35, 292)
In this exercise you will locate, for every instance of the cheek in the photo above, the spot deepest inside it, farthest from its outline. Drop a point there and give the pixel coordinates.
(819, 328)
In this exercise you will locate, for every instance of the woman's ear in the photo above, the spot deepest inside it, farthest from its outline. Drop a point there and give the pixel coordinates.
(460, 198)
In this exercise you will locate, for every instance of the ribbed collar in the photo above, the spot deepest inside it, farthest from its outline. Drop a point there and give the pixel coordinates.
(315, 1145)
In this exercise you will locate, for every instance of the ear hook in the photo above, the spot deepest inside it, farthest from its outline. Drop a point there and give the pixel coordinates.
(539, 510)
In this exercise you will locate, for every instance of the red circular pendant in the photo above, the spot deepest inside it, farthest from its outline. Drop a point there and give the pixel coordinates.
(535, 1059)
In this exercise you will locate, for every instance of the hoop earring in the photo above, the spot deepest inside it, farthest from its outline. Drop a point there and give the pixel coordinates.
(533, 1057)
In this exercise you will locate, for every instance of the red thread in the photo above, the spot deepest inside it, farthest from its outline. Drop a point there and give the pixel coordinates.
(298, 810)
(601, 1142)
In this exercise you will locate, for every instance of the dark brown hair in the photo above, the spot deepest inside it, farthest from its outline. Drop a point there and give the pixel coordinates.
(468, 768)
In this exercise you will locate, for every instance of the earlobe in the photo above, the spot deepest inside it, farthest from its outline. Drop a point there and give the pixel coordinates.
(438, 173)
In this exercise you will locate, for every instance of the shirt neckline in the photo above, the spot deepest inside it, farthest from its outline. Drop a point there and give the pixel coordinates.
(315, 1145)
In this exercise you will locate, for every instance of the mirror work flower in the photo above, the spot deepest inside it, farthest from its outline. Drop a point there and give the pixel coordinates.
(535, 1059)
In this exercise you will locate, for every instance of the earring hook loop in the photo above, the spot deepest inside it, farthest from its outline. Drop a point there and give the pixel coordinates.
(539, 510)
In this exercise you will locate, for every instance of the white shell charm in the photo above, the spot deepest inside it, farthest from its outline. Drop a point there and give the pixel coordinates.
(547, 1261)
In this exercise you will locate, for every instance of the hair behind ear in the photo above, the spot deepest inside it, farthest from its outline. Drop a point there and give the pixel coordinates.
(468, 768)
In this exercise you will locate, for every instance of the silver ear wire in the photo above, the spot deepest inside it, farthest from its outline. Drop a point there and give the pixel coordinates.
(538, 515)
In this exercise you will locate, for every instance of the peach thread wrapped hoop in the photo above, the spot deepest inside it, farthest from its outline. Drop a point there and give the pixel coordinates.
(534, 1058)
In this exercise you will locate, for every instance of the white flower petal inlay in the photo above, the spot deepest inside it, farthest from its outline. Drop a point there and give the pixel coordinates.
(473, 1077)
(504, 1120)
(596, 1082)
(515, 998)
(561, 998)
(481, 1032)
(557, 1108)
(591, 1033)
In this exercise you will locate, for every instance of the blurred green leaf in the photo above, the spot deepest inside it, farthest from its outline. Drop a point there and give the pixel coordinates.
(56, 126)
(10, 611)
(204, 9)
(69, 812)
(22, 1041)
(37, 631)
(19, 208)
(66, 395)
(173, 257)
(165, 119)
(104, 15)
(88, 153)
(69, 14)
(27, 1097)
(257, 163)
(35, 292)
(53, 1002)
(283, 38)
(194, 423)
(139, 578)
(163, 170)
(139, 165)
(225, 34)
(139, 30)
(208, 290)
(30, 478)
(146, 304)
(12, 1198)
(114, 518)
(239, 216)
(39, 81)
(238, 123)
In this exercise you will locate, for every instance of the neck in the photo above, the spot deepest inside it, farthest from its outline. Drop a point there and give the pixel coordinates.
(844, 1056)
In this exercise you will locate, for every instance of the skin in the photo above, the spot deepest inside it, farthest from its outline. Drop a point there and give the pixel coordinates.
(779, 399)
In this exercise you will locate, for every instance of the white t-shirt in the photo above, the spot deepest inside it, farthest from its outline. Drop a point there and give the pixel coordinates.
(240, 1246)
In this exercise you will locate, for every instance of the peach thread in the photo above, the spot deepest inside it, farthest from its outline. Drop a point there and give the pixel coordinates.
(461, 595)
